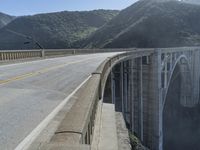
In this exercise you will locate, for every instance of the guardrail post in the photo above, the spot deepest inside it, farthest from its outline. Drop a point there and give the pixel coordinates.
(42, 53)
(1, 56)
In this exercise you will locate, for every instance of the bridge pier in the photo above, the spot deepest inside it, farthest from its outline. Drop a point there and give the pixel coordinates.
(139, 86)
(130, 85)
(156, 101)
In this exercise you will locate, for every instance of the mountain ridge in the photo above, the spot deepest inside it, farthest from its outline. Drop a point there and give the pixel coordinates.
(150, 24)
(53, 30)
(5, 19)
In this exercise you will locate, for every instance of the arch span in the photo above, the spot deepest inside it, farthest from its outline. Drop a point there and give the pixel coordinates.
(182, 68)
(180, 116)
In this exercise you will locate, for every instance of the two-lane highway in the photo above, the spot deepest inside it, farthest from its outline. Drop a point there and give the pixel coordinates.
(30, 91)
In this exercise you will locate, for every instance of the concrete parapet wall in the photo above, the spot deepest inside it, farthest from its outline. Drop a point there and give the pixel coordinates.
(17, 54)
(58, 146)
(79, 122)
(7, 55)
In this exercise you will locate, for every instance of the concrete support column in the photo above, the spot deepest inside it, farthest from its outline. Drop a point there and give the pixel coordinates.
(165, 73)
(141, 99)
(122, 86)
(136, 97)
(159, 105)
(196, 76)
(129, 84)
(113, 95)
(171, 61)
(125, 91)
(132, 95)
(155, 100)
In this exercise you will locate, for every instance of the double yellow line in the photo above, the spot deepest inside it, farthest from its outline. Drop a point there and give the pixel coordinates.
(41, 71)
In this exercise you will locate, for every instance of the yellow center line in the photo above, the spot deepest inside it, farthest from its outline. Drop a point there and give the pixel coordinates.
(41, 71)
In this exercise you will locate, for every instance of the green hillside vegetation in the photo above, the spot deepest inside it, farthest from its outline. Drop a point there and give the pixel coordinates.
(53, 30)
(148, 23)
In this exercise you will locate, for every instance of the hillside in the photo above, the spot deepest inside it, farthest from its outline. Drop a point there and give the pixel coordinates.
(5, 19)
(53, 30)
(192, 1)
(149, 23)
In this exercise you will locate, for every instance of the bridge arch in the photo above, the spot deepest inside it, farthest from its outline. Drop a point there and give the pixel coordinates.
(182, 63)
(178, 112)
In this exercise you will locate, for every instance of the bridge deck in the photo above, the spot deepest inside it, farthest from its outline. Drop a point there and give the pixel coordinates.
(30, 91)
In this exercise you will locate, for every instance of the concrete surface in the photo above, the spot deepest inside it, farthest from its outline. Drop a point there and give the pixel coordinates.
(122, 132)
(30, 91)
(80, 114)
(108, 131)
(97, 127)
(59, 146)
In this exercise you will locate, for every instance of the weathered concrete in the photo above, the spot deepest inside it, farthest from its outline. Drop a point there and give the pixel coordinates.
(73, 127)
(97, 127)
(45, 136)
(108, 133)
(59, 146)
(122, 132)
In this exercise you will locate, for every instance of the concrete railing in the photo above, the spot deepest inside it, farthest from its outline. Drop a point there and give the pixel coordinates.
(6, 55)
(19, 54)
(23, 54)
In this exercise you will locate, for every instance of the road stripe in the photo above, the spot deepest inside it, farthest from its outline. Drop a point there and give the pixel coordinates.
(41, 71)
(25, 144)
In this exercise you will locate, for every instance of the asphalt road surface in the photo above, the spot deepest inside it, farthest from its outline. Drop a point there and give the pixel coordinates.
(29, 91)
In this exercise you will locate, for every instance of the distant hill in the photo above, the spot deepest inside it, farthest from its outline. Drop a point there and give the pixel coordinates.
(192, 1)
(53, 30)
(5, 19)
(150, 23)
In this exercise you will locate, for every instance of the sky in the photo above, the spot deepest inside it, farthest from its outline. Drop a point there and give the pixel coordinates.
(29, 7)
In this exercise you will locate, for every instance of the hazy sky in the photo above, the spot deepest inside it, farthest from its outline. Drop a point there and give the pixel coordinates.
(27, 7)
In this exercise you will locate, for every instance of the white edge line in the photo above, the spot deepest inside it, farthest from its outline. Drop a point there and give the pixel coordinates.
(25, 144)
